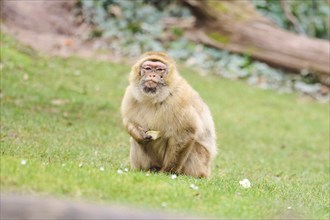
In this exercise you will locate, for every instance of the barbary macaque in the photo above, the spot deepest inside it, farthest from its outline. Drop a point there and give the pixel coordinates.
(171, 128)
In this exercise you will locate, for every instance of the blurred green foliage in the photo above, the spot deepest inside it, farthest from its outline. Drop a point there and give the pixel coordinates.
(312, 15)
(132, 27)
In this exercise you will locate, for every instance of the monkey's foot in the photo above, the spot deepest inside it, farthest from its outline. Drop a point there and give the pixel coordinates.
(154, 169)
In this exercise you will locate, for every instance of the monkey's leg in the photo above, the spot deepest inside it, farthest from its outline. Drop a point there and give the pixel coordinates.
(198, 163)
(184, 155)
(176, 155)
(139, 159)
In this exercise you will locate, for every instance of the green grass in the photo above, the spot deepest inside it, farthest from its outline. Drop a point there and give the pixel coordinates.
(58, 113)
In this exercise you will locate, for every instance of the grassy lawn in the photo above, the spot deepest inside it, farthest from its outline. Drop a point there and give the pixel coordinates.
(62, 117)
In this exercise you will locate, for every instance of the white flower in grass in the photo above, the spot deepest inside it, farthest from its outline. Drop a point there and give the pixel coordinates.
(147, 174)
(193, 186)
(174, 176)
(77, 73)
(289, 207)
(126, 169)
(25, 77)
(245, 183)
(119, 171)
(102, 168)
(23, 162)
(81, 165)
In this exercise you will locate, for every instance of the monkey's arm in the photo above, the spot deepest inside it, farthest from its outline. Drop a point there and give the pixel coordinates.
(128, 108)
(180, 144)
(176, 155)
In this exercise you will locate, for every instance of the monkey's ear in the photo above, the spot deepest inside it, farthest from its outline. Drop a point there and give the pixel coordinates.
(136, 69)
(135, 73)
(140, 72)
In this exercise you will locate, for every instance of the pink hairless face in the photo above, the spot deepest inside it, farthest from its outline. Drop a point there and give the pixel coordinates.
(152, 73)
(153, 66)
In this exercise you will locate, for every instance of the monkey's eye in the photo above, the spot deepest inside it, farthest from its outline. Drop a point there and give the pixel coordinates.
(160, 70)
(147, 68)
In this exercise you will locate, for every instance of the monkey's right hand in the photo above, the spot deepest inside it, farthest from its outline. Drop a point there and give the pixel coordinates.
(144, 137)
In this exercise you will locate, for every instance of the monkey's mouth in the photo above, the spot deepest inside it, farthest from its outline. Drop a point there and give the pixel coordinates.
(150, 86)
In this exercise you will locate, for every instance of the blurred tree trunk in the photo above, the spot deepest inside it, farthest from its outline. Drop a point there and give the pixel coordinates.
(236, 26)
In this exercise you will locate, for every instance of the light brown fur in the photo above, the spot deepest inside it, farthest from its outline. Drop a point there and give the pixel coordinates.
(187, 143)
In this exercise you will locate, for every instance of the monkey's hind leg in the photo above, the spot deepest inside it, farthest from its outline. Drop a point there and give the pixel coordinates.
(139, 159)
(198, 163)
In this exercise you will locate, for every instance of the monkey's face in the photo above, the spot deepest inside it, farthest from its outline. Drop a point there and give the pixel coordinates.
(152, 73)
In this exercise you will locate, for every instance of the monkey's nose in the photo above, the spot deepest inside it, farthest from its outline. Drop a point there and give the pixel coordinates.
(152, 75)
